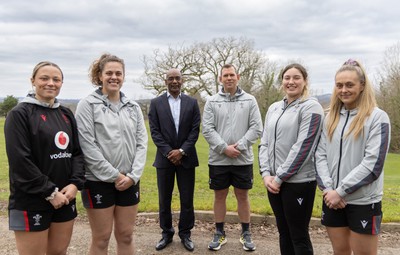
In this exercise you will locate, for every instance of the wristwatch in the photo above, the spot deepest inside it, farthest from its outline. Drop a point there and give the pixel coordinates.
(182, 152)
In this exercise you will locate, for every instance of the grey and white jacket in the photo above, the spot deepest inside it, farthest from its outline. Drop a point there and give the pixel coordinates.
(113, 140)
(354, 167)
(291, 132)
(228, 120)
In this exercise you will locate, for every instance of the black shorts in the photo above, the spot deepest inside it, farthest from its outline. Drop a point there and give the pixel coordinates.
(104, 194)
(363, 219)
(221, 177)
(33, 221)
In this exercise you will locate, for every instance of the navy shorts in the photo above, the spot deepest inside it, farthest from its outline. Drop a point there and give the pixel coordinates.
(363, 219)
(104, 194)
(33, 221)
(221, 177)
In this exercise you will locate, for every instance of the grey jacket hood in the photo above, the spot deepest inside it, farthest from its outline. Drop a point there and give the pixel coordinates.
(30, 99)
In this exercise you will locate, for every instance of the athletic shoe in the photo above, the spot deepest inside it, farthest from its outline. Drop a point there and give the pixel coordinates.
(245, 239)
(218, 240)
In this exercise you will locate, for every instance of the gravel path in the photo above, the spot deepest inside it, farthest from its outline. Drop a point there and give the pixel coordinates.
(147, 233)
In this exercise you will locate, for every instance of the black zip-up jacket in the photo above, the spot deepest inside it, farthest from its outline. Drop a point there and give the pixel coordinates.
(43, 153)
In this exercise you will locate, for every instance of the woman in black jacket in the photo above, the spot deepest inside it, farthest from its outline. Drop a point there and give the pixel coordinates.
(45, 166)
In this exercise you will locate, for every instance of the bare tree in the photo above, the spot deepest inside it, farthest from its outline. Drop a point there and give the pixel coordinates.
(267, 89)
(389, 91)
(200, 64)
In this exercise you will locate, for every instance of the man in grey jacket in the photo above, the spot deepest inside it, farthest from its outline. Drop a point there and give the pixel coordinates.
(231, 125)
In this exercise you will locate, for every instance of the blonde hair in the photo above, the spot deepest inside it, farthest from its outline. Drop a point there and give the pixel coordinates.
(305, 93)
(366, 102)
(97, 67)
(43, 64)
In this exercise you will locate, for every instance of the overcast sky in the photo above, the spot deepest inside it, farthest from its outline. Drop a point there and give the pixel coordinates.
(73, 33)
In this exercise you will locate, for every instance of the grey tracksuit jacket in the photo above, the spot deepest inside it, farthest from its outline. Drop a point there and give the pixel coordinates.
(229, 120)
(354, 167)
(291, 132)
(113, 140)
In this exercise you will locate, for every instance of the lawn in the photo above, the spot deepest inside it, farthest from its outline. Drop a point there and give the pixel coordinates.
(204, 196)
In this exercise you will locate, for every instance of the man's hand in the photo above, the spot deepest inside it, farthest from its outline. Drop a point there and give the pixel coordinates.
(232, 151)
(175, 157)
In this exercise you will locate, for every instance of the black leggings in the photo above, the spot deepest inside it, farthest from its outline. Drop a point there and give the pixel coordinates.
(292, 207)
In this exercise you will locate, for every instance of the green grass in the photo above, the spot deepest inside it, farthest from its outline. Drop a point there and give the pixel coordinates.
(203, 199)
(391, 192)
(4, 191)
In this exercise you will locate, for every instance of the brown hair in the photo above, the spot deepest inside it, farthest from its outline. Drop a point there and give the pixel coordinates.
(43, 64)
(227, 66)
(305, 93)
(97, 67)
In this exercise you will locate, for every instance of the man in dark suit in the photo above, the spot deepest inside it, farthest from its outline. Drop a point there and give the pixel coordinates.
(174, 124)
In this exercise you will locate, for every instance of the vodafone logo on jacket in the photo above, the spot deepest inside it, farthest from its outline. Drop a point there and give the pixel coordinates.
(61, 140)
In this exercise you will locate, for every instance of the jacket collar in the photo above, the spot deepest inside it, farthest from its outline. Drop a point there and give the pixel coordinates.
(169, 94)
(31, 99)
(104, 98)
(238, 93)
(352, 112)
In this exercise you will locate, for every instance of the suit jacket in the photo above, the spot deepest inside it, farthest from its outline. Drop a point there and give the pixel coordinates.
(164, 134)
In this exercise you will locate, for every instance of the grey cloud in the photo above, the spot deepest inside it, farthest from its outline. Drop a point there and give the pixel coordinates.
(73, 33)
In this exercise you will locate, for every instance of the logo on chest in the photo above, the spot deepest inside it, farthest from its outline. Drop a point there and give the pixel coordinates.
(61, 140)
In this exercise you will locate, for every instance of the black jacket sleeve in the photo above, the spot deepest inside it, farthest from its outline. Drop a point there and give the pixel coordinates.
(24, 173)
